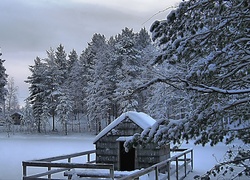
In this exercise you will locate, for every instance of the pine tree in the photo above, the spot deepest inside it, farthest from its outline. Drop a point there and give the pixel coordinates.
(3, 82)
(210, 59)
(95, 60)
(57, 74)
(142, 39)
(105, 75)
(52, 82)
(205, 51)
(148, 53)
(127, 58)
(73, 58)
(64, 109)
(37, 91)
(28, 117)
(61, 64)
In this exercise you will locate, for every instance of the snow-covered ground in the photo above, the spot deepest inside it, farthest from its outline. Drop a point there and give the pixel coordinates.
(17, 148)
(206, 157)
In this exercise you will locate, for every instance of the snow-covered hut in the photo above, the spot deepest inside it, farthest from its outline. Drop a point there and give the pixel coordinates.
(109, 143)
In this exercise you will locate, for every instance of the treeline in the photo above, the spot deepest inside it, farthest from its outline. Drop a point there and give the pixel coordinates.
(98, 83)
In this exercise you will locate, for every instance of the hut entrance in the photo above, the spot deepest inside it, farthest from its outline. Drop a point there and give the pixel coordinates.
(127, 159)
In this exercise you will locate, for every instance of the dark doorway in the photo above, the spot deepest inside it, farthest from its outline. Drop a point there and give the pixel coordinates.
(127, 159)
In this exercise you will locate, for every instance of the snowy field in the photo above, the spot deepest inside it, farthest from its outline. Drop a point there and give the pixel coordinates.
(17, 148)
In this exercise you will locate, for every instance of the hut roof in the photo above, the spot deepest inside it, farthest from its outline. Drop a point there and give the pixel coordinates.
(141, 119)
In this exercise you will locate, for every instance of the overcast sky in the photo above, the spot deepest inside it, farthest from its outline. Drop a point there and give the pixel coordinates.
(30, 27)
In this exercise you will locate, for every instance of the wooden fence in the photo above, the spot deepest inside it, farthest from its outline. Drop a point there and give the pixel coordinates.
(49, 164)
(163, 170)
(181, 160)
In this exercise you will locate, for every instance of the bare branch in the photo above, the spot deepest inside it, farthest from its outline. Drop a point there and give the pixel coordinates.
(171, 7)
(155, 81)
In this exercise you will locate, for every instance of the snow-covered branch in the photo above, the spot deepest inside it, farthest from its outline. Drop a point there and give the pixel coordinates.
(209, 89)
(228, 166)
(169, 82)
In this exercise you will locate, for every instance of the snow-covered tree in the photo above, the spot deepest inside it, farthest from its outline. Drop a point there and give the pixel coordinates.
(148, 52)
(209, 52)
(113, 69)
(74, 85)
(28, 117)
(96, 99)
(142, 39)
(37, 91)
(128, 58)
(3, 82)
(73, 58)
(205, 50)
(11, 102)
(52, 80)
(56, 75)
(61, 63)
(105, 74)
(64, 109)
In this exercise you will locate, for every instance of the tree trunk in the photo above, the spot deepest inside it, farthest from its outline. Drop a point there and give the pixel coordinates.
(66, 128)
(53, 120)
(39, 126)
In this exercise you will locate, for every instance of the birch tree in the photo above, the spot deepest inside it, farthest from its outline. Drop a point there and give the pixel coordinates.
(11, 103)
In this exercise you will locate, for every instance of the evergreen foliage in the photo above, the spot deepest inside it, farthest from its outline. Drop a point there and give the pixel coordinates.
(95, 84)
(195, 82)
(209, 54)
(37, 91)
(3, 82)
(204, 65)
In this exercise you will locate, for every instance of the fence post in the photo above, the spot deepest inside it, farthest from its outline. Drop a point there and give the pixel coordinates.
(192, 159)
(156, 173)
(69, 160)
(88, 157)
(185, 165)
(177, 168)
(168, 164)
(112, 173)
(24, 169)
(49, 175)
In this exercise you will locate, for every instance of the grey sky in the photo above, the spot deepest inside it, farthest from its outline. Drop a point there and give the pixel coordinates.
(30, 27)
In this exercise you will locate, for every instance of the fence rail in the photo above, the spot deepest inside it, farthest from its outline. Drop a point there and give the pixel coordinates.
(70, 156)
(49, 164)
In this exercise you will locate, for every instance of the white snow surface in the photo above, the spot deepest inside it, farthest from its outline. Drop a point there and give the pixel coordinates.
(141, 119)
(21, 147)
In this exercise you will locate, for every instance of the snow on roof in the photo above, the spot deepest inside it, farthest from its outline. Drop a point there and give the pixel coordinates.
(141, 119)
